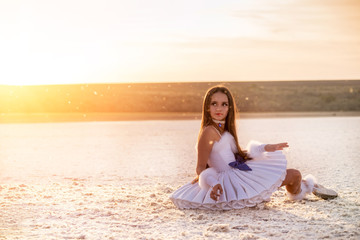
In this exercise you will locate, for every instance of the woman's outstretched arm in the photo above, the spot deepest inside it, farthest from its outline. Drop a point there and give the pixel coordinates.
(275, 147)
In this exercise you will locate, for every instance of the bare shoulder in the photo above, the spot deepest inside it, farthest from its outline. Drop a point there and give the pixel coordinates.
(209, 133)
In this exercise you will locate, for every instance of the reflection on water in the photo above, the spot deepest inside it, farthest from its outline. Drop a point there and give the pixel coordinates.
(327, 147)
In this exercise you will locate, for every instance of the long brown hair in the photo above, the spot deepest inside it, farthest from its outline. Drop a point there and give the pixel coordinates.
(230, 123)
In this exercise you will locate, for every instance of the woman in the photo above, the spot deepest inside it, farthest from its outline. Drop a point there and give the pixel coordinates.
(228, 177)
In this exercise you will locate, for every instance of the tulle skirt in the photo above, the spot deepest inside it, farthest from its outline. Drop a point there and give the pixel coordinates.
(241, 188)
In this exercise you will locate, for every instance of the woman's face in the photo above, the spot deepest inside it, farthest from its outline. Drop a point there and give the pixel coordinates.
(219, 106)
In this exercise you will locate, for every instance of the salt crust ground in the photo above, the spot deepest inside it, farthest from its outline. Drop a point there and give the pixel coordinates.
(140, 209)
(117, 204)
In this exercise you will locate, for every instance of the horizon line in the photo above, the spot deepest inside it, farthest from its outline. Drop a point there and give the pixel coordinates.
(170, 82)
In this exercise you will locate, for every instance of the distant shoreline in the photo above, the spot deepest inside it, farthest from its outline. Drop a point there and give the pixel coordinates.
(179, 97)
(91, 117)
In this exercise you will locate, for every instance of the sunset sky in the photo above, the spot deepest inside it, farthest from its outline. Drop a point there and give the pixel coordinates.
(110, 41)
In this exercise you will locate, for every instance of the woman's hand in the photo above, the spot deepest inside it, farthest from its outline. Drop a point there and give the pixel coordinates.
(216, 192)
(195, 180)
(275, 147)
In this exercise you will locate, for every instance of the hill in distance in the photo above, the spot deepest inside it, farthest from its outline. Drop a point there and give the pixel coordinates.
(184, 97)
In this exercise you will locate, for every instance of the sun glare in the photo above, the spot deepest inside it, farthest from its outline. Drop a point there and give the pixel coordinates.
(91, 65)
(21, 83)
(131, 42)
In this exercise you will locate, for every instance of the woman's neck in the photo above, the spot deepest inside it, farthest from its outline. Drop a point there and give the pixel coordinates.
(219, 122)
(220, 125)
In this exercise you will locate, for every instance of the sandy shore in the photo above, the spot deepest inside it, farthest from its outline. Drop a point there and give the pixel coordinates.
(111, 180)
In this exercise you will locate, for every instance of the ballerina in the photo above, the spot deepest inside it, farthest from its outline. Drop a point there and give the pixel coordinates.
(230, 178)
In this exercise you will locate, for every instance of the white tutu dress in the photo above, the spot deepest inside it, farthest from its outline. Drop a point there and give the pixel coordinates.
(240, 188)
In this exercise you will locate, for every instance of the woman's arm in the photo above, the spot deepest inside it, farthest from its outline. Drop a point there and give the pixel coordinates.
(256, 149)
(275, 147)
(205, 145)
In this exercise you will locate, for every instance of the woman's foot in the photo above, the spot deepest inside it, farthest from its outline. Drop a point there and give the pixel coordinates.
(310, 185)
(307, 186)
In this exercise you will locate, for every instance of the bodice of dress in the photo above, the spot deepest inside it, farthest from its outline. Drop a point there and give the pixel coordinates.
(223, 153)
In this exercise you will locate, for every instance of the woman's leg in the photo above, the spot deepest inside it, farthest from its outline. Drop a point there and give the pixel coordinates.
(292, 181)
